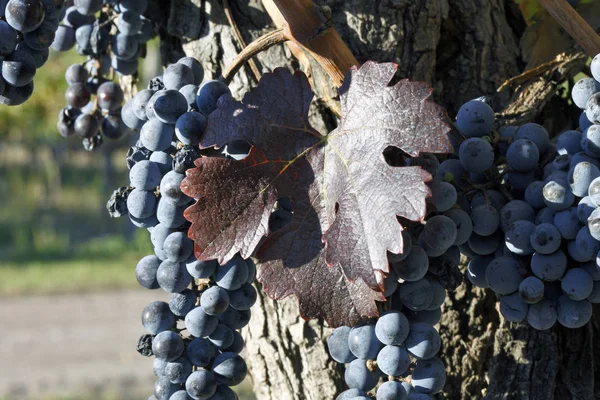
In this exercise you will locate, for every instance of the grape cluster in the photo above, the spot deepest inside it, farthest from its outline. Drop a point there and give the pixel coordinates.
(194, 337)
(536, 240)
(27, 29)
(112, 34)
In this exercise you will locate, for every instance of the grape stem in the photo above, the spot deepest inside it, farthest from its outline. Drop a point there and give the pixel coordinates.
(574, 24)
(261, 44)
(240, 39)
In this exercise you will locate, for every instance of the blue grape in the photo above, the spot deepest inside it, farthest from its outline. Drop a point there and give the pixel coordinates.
(201, 269)
(159, 366)
(575, 253)
(534, 194)
(88, 7)
(451, 170)
(536, 133)
(199, 323)
(585, 208)
(350, 394)
(24, 16)
(590, 142)
(141, 203)
(531, 290)
(573, 314)
(178, 247)
(545, 238)
(208, 94)
(515, 210)
(200, 352)
(592, 109)
(438, 235)
(8, 38)
(358, 376)
(18, 68)
(542, 315)
(513, 308)
(233, 274)
(594, 297)
(443, 195)
(583, 90)
(363, 342)
(179, 395)
(182, 303)
(129, 23)
(523, 155)
(430, 317)
(189, 127)
(170, 188)
(558, 195)
(593, 269)
(173, 276)
(222, 337)
(423, 341)
(438, 292)
(517, 237)
(144, 175)
(177, 76)
(162, 160)
(129, 118)
(417, 295)
(139, 103)
(561, 162)
(170, 106)
(393, 360)
(549, 267)
(169, 214)
(475, 118)
(229, 369)
(464, 225)
(157, 317)
(520, 180)
(503, 275)
(156, 135)
(567, 223)
(196, 68)
(391, 390)
(337, 345)
(243, 298)
(406, 248)
(167, 345)
(485, 245)
(486, 220)
(235, 319)
(586, 244)
(593, 225)
(429, 376)
(214, 300)
(201, 384)
(569, 142)
(392, 328)
(476, 155)
(506, 132)
(491, 197)
(577, 284)
(164, 389)
(413, 267)
(581, 176)
(545, 215)
(476, 270)
(145, 272)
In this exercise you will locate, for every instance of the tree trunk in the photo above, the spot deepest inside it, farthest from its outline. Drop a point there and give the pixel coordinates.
(464, 49)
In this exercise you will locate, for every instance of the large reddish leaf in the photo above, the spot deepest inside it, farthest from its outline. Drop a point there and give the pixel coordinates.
(346, 198)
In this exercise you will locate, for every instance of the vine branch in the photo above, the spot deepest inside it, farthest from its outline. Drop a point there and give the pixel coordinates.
(261, 44)
(574, 24)
(240, 39)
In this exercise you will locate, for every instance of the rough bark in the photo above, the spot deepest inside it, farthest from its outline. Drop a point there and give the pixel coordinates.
(465, 49)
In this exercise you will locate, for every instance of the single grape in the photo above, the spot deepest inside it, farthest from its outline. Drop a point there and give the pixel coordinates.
(577, 284)
(157, 317)
(337, 345)
(569, 142)
(476, 270)
(413, 267)
(536, 133)
(475, 118)
(513, 308)
(438, 235)
(173, 276)
(549, 267)
(534, 194)
(531, 290)
(229, 369)
(503, 275)
(464, 225)
(542, 315)
(393, 360)
(545, 238)
(391, 390)
(182, 303)
(486, 220)
(476, 155)
(200, 352)
(392, 328)
(523, 155)
(363, 342)
(214, 300)
(518, 236)
(423, 341)
(586, 244)
(416, 295)
(515, 210)
(358, 376)
(573, 314)
(201, 384)
(222, 337)
(429, 376)
(592, 109)
(167, 345)
(145, 272)
(233, 274)
(199, 323)
(443, 195)
(558, 195)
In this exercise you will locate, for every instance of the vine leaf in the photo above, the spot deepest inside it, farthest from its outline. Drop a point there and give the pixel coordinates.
(333, 254)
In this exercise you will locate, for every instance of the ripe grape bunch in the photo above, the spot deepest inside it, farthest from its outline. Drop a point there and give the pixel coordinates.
(27, 29)
(195, 336)
(534, 223)
(119, 30)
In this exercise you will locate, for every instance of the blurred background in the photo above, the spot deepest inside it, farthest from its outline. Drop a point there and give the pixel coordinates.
(70, 305)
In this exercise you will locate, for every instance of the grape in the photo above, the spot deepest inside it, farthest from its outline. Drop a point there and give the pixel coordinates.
(485, 245)
(451, 170)
(413, 267)
(567, 223)
(475, 118)
(88, 7)
(476, 155)
(573, 314)
(66, 121)
(170, 188)
(157, 317)
(575, 253)
(110, 96)
(545, 238)
(593, 269)
(164, 389)
(583, 90)
(358, 376)
(201, 269)
(14, 96)
(162, 160)
(182, 303)
(222, 337)
(350, 394)
(416, 295)
(531, 290)
(145, 175)
(214, 300)
(523, 155)
(238, 343)
(594, 297)
(363, 342)
(190, 126)
(592, 109)
(173, 276)
(180, 395)
(486, 220)
(235, 319)
(586, 244)
(128, 23)
(558, 195)
(569, 142)
(201, 384)
(337, 345)
(577, 284)
(520, 180)
(438, 235)
(391, 390)
(542, 315)
(464, 225)
(476, 270)
(491, 197)
(506, 132)
(581, 176)
(167, 345)
(208, 94)
(393, 360)
(503, 276)
(18, 68)
(200, 352)
(189, 92)
(534, 194)
(178, 247)
(24, 16)
(145, 272)
(536, 133)
(196, 68)
(518, 235)
(513, 308)
(429, 376)
(545, 216)
(155, 135)
(590, 143)
(129, 118)
(443, 195)
(177, 76)
(170, 106)
(159, 365)
(561, 162)
(515, 210)
(141, 203)
(423, 341)
(199, 323)
(229, 369)
(438, 291)
(593, 225)
(549, 267)
(243, 298)
(169, 214)
(392, 328)
(585, 208)
(233, 274)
